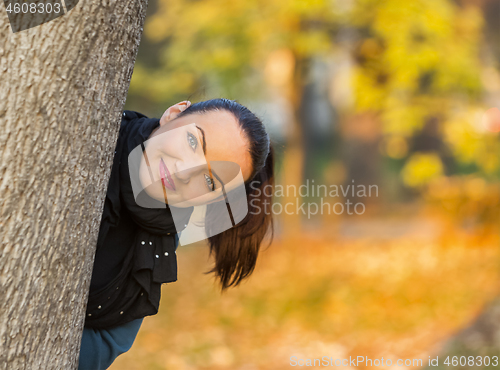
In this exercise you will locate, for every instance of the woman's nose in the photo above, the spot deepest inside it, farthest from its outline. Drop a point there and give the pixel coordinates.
(185, 169)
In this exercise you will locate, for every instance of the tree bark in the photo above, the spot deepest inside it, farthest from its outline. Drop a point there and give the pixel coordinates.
(62, 88)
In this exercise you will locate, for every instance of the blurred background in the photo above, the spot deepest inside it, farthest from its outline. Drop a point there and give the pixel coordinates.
(402, 96)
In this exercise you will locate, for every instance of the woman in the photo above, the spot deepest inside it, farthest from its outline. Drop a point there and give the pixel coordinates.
(136, 244)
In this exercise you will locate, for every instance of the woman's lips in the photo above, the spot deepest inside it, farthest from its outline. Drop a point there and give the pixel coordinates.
(166, 178)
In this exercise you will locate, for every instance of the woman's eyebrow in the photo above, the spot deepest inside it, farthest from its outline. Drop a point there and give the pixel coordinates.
(203, 139)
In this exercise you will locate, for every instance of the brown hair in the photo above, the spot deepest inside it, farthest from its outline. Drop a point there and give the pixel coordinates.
(237, 248)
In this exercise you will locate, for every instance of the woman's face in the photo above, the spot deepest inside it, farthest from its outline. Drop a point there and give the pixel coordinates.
(176, 165)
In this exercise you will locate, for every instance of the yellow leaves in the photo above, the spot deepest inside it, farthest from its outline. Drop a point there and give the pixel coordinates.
(370, 48)
(489, 163)
(308, 43)
(368, 95)
(462, 136)
(471, 142)
(437, 17)
(459, 68)
(159, 26)
(402, 117)
(469, 24)
(475, 188)
(444, 188)
(419, 60)
(224, 57)
(396, 20)
(421, 168)
(466, 198)
(395, 147)
(412, 46)
(307, 7)
(425, 35)
(159, 87)
(459, 57)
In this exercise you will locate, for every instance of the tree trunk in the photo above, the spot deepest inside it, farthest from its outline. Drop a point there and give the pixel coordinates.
(63, 86)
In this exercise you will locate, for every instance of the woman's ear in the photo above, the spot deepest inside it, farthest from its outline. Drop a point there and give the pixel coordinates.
(174, 111)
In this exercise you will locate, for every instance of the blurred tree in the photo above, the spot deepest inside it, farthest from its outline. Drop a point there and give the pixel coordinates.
(419, 63)
(481, 336)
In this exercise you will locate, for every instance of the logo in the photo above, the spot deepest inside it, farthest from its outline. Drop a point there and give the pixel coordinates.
(25, 14)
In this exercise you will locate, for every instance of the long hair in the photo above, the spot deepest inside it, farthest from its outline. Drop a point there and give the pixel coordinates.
(237, 248)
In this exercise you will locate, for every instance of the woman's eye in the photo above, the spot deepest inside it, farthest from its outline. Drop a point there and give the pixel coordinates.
(210, 182)
(192, 141)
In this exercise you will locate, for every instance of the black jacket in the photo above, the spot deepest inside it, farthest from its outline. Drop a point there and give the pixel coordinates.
(136, 246)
